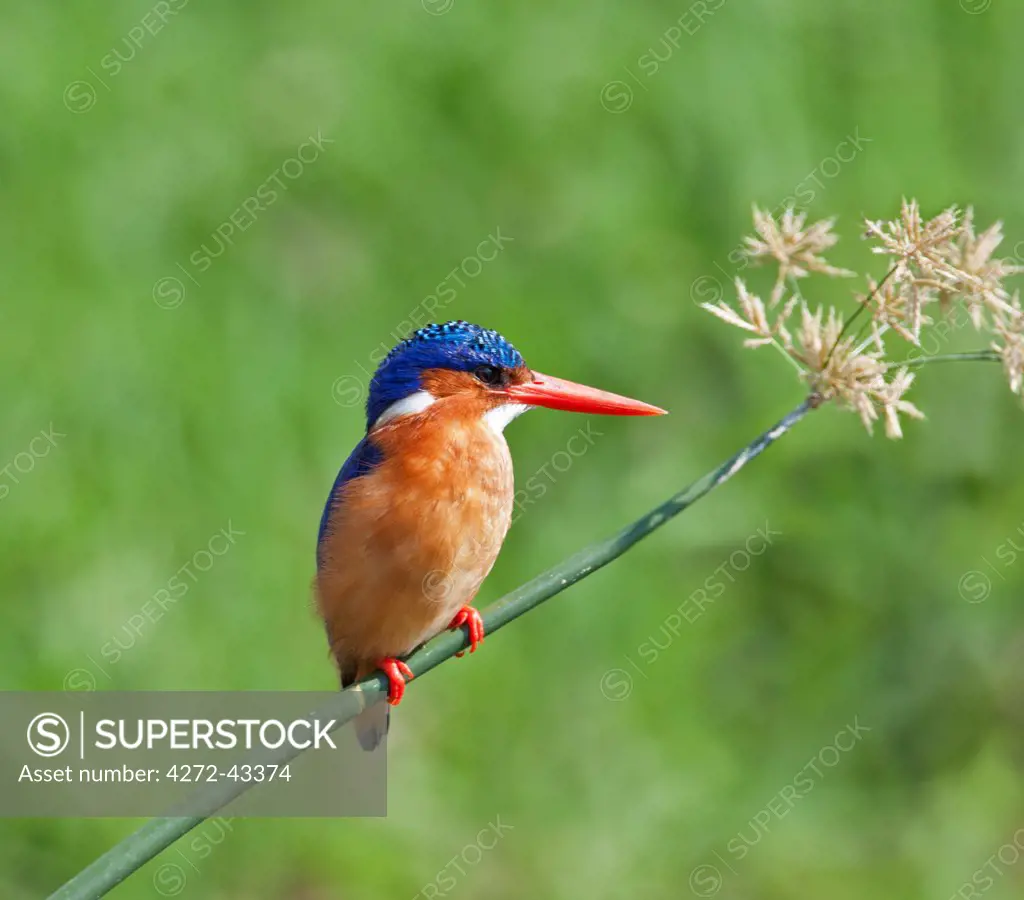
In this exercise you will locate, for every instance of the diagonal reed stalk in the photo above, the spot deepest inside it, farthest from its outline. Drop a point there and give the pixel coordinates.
(157, 834)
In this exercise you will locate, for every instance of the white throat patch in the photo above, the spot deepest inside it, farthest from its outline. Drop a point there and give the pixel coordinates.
(500, 416)
(407, 406)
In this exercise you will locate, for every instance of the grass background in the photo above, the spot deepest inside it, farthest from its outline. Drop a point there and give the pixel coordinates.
(444, 127)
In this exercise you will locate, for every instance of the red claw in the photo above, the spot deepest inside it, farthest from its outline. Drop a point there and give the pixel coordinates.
(398, 673)
(471, 617)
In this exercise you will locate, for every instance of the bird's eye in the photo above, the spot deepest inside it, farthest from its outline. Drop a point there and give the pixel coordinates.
(489, 374)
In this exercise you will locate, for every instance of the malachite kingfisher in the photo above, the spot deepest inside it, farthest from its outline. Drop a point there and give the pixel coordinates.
(420, 509)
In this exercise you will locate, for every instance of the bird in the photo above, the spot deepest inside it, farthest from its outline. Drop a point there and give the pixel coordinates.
(418, 512)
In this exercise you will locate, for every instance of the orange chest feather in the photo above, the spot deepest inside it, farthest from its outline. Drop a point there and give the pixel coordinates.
(445, 489)
(411, 542)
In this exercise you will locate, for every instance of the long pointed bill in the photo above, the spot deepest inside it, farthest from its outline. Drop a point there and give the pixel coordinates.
(554, 393)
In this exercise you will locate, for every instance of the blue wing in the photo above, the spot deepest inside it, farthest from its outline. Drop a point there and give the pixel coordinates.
(361, 462)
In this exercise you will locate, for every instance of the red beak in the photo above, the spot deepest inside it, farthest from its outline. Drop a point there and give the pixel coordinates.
(554, 393)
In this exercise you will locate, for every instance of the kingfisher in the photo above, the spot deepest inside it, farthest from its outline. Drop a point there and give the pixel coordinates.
(421, 507)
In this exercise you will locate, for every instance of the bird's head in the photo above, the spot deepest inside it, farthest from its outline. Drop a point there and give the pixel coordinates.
(483, 371)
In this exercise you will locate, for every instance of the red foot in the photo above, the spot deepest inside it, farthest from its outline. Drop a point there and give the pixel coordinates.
(471, 617)
(395, 669)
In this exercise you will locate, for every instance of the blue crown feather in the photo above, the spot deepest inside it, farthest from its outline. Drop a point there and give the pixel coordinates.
(456, 345)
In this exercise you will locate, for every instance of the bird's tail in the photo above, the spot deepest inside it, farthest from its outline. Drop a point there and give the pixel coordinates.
(372, 723)
(372, 726)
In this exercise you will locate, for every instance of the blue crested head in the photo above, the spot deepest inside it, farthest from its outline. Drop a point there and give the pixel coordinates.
(458, 345)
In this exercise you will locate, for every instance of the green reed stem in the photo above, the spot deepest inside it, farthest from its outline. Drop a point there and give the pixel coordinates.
(971, 355)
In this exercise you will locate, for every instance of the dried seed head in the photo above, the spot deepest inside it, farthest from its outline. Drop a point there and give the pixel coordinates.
(940, 260)
(919, 248)
(796, 249)
(892, 308)
(982, 276)
(1009, 343)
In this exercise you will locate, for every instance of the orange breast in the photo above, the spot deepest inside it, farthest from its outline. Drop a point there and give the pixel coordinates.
(410, 543)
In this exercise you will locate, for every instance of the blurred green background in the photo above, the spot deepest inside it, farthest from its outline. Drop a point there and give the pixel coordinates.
(618, 147)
